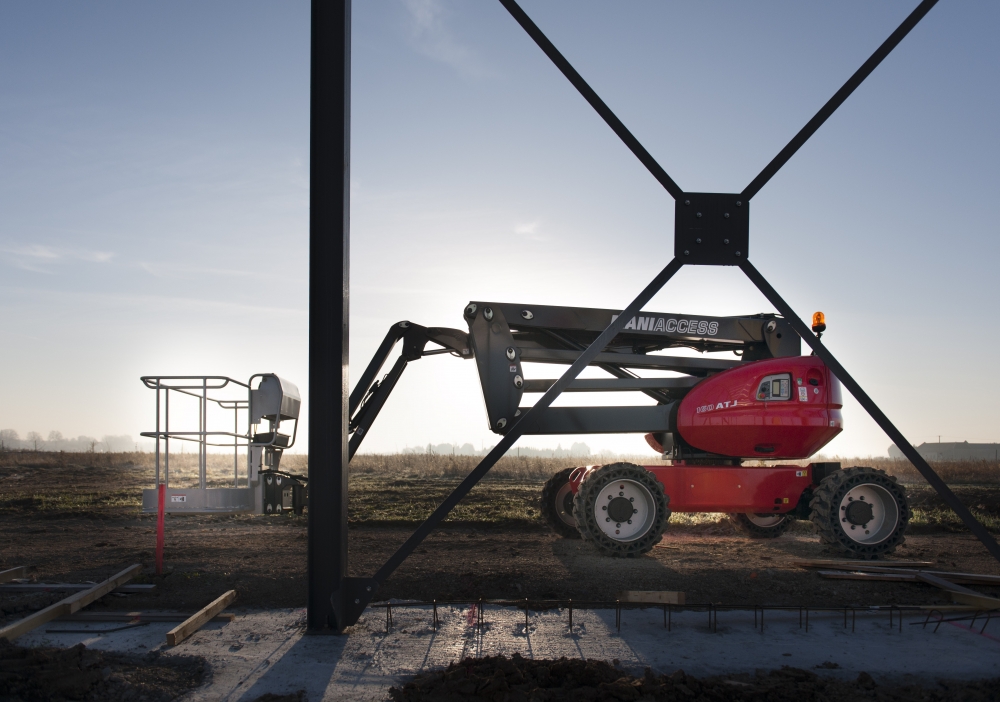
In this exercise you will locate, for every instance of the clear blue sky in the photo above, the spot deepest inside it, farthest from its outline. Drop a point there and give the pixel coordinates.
(154, 193)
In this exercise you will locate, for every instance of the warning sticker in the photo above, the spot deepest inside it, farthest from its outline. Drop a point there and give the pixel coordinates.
(178, 498)
(801, 473)
(803, 394)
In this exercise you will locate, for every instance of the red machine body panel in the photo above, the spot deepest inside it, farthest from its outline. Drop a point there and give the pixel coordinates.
(761, 489)
(776, 408)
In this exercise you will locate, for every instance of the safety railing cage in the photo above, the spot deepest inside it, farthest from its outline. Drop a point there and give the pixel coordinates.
(260, 406)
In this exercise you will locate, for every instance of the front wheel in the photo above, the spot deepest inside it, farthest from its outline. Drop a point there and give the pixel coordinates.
(761, 526)
(557, 504)
(861, 511)
(621, 509)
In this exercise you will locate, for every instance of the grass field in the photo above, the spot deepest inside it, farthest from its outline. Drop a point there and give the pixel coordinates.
(405, 488)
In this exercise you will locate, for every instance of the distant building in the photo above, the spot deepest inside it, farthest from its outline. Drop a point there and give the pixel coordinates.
(953, 451)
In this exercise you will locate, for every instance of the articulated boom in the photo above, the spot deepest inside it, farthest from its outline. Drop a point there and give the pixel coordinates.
(724, 422)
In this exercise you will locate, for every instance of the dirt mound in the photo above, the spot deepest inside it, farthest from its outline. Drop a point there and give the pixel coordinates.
(518, 679)
(79, 673)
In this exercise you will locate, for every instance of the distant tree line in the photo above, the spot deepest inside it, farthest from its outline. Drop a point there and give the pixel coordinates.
(10, 440)
(577, 450)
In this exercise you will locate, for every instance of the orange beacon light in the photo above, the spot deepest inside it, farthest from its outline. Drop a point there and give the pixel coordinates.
(819, 322)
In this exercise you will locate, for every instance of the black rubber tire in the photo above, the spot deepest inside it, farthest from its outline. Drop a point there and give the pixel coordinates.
(586, 511)
(756, 531)
(826, 503)
(551, 509)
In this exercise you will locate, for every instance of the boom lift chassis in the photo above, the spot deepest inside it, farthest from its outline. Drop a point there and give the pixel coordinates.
(709, 229)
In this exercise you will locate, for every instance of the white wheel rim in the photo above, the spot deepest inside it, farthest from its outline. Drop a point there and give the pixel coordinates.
(609, 510)
(560, 505)
(764, 521)
(884, 514)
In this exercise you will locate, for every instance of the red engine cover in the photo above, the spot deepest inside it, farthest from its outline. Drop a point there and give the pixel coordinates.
(778, 408)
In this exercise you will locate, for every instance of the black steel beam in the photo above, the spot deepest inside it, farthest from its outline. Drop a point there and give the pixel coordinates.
(838, 99)
(524, 424)
(614, 384)
(865, 401)
(679, 364)
(635, 419)
(329, 259)
(590, 96)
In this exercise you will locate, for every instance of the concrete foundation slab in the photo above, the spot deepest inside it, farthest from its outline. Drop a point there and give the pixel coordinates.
(268, 651)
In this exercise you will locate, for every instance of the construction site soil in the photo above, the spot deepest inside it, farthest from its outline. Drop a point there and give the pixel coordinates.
(76, 518)
(519, 679)
(78, 673)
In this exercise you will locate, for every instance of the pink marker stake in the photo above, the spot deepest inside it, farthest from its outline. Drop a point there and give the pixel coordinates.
(161, 493)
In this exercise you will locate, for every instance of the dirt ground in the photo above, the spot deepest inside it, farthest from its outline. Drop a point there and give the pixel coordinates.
(78, 673)
(518, 678)
(80, 523)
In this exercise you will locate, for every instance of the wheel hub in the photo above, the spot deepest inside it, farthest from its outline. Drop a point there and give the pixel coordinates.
(765, 520)
(567, 502)
(564, 505)
(620, 509)
(859, 513)
(625, 510)
(868, 513)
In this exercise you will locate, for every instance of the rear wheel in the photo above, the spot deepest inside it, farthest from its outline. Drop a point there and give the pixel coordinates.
(621, 509)
(762, 525)
(861, 511)
(557, 504)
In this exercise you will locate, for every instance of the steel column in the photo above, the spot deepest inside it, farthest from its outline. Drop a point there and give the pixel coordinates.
(329, 249)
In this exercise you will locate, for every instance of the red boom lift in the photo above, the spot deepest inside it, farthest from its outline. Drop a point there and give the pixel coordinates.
(710, 416)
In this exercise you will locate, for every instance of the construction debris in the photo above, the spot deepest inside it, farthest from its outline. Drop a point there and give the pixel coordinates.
(947, 581)
(68, 605)
(198, 620)
(962, 578)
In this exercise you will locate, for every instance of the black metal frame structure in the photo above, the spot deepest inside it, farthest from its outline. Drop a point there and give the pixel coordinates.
(710, 229)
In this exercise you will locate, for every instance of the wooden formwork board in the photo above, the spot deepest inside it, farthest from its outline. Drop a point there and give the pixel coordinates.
(856, 565)
(962, 595)
(181, 632)
(68, 605)
(139, 617)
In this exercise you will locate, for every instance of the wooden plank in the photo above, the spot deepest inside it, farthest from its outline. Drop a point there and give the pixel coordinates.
(962, 595)
(179, 633)
(68, 587)
(856, 565)
(68, 605)
(910, 575)
(652, 596)
(963, 578)
(12, 573)
(855, 575)
(139, 617)
(978, 601)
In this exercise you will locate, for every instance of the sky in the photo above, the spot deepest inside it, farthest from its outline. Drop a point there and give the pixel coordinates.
(154, 195)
